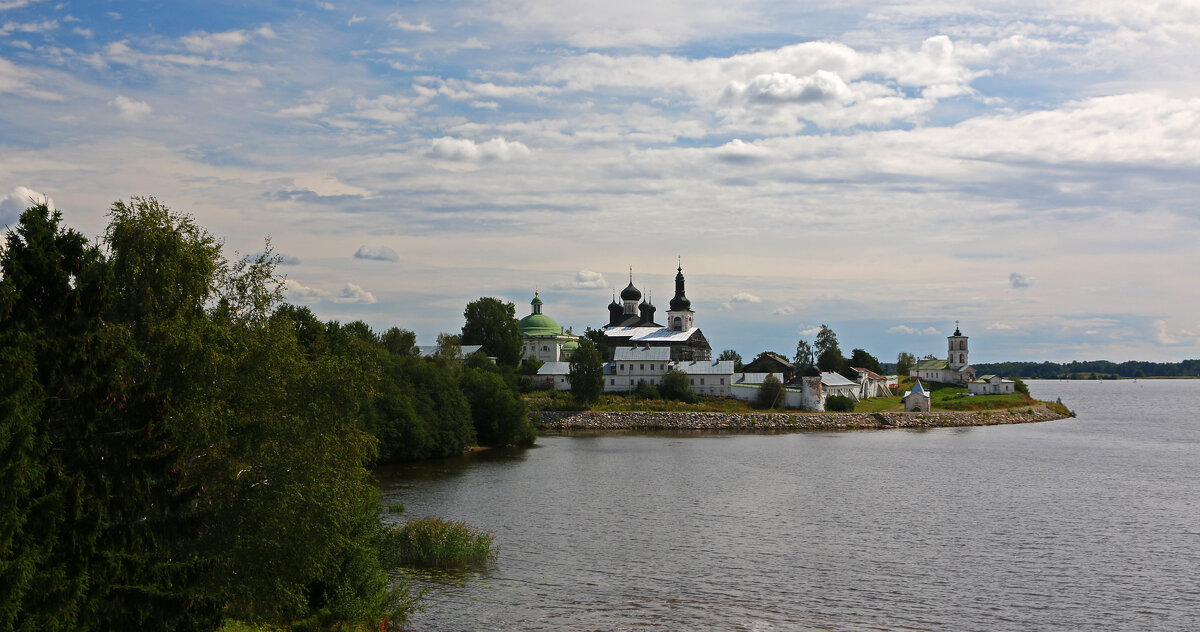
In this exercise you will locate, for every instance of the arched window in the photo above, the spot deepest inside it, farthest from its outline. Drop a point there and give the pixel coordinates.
(678, 324)
(961, 358)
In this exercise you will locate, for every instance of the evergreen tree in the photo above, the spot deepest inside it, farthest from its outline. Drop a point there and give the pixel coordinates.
(730, 354)
(904, 363)
(861, 359)
(829, 356)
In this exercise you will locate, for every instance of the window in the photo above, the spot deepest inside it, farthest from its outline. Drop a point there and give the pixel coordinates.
(701, 381)
(692, 381)
(631, 381)
(722, 381)
(612, 382)
(622, 367)
(641, 367)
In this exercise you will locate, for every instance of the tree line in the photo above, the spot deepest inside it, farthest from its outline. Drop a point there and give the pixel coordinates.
(1104, 368)
(182, 448)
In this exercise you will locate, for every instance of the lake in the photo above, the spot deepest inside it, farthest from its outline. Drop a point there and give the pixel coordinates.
(1091, 523)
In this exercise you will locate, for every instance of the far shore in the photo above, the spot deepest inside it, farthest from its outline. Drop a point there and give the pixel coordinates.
(564, 421)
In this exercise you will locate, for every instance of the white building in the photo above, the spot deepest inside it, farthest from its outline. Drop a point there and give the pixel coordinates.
(991, 385)
(836, 384)
(631, 365)
(955, 369)
(633, 324)
(544, 339)
(917, 400)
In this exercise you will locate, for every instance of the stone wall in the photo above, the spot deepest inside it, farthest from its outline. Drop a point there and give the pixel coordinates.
(595, 420)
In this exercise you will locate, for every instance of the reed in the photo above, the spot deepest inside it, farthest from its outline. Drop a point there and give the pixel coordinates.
(436, 543)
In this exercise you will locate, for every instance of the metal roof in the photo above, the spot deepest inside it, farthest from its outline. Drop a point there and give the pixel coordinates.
(755, 378)
(829, 378)
(555, 368)
(649, 334)
(642, 354)
(431, 350)
(932, 365)
(705, 367)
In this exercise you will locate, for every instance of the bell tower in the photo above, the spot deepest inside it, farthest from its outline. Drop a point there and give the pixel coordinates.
(958, 355)
(680, 317)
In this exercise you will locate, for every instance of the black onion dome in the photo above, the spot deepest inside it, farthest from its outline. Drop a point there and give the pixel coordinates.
(680, 302)
(631, 293)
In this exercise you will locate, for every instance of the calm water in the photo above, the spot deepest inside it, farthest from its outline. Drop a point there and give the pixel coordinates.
(1090, 523)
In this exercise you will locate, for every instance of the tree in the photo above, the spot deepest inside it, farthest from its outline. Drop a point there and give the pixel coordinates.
(493, 324)
(586, 373)
(839, 404)
(829, 356)
(730, 354)
(804, 356)
(771, 393)
(861, 359)
(399, 341)
(677, 385)
(449, 347)
(905, 362)
(600, 340)
(499, 413)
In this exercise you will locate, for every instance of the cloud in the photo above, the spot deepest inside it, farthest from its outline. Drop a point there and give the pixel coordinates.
(781, 88)
(397, 21)
(905, 329)
(5, 5)
(745, 297)
(15, 203)
(16, 80)
(203, 42)
(326, 6)
(28, 27)
(584, 280)
(355, 19)
(998, 326)
(295, 291)
(1018, 280)
(467, 150)
(809, 330)
(306, 110)
(382, 253)
(129, 109)
(354, 294)
(786, 310)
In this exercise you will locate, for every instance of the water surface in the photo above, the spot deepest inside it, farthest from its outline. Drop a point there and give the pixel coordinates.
(1081, 524)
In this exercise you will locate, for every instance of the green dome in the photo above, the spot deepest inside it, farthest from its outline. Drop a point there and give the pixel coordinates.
(539, 325)
(570, 345)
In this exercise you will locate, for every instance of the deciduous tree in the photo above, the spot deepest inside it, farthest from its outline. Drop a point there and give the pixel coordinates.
(492, 323)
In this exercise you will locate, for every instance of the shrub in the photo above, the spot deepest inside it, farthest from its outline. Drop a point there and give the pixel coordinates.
(436, 543)
(646, 390)
(1020, 386)
(770, 394)
(839, 404)
(677, 385)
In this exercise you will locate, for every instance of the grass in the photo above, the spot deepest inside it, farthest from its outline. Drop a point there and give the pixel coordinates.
(442, 544)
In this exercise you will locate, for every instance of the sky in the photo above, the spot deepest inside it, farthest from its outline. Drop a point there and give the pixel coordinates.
(1029, 169)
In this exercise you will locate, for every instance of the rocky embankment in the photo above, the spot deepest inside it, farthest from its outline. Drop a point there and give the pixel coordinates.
(595, 420)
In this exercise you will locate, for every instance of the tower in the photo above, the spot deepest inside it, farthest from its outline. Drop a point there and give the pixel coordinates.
(957, 349)
(680, 317)
(630, 297)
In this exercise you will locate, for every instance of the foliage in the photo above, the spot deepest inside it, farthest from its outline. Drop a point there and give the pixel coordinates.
(183, 453)
(804, 356)
(863, 360)
(586, 373)
(449, 347)
(730, 354)
(600, 340)
(646, 390)
(771, 393)
(905, 362)
(1020, 386)
(437, 543)
(676, 385)
(399, 341)
(492, 323)
(497, 410)
(1056, 370)
(829, 355)
(839, 404)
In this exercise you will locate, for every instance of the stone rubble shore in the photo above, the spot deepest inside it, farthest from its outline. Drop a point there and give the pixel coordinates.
(597, 420)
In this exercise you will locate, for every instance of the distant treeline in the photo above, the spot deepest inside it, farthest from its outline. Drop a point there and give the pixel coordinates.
(181, 448)
(1099, 368)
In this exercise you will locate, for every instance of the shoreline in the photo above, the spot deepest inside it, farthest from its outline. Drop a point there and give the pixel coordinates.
(560, 421)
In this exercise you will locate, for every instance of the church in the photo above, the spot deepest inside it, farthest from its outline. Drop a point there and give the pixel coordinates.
(631, 323)
(543, 338)
(954, 369)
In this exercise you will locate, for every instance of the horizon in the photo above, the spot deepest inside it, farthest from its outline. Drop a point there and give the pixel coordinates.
(885, 168)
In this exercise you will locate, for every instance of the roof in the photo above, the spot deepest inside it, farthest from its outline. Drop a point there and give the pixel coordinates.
(555, 368)
(755, 378)
(642, 354)
(829, 378)
(871, 374)
(932, 365)
(917, 389)
(539, 325)
(649, 334)
(430, 350)
(706, 367)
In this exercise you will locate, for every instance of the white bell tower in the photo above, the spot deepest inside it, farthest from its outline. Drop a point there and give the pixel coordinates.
(957, 348)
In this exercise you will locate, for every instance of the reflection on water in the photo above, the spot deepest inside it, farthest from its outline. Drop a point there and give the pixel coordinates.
(1086, 523)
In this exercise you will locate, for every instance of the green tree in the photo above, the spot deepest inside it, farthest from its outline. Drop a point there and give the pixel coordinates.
(730, 354)
(492, 323)
(863, 360)
(839, 404)
(449, 347)
(586, 374)
(905, 362)
(829, 355)
(677, 385)
(771, 393)
(804, 356)
(499, 413)
(399, 341)
(600, 340)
